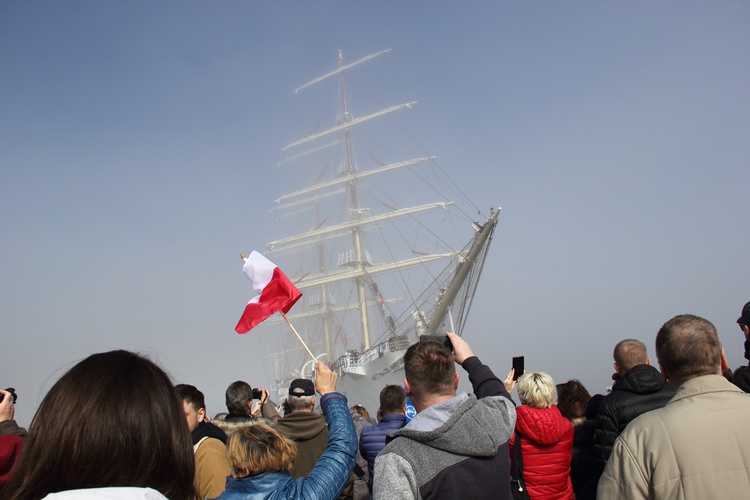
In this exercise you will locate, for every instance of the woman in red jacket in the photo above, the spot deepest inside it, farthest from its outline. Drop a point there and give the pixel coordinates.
(546, 439)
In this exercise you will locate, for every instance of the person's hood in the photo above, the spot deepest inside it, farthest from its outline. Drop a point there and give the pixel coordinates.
(545, 426)
(207, 429)
(468, 426)
(115, 493)
(641, 379)
(301, 425)
(11, 447)
(360, 422)
(262, 486)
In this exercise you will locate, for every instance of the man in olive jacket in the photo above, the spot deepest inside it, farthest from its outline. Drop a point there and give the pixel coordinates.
(696, 446)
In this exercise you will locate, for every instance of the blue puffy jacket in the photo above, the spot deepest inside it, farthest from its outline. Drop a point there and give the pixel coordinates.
(372, 439)
(327, 478)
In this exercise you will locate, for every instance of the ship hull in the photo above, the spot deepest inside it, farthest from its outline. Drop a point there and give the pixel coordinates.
(362, 383)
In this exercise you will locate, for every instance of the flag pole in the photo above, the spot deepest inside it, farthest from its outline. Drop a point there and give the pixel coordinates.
(300, 338)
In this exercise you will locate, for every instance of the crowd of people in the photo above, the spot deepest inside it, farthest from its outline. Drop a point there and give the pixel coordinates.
(115, 426)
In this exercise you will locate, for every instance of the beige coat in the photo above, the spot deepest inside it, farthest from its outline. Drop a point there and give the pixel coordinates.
(212, 467)
(696, 447)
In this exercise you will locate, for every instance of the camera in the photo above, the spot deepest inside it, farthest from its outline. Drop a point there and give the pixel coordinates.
(257, 394)
(13, 393)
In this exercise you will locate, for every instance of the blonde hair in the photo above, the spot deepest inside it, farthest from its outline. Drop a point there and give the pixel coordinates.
(536, 389)
(258, 448)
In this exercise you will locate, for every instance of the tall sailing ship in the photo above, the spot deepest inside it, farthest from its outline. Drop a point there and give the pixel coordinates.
(376, 272)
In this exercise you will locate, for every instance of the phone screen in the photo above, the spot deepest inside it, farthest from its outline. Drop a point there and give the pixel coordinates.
(518, 367)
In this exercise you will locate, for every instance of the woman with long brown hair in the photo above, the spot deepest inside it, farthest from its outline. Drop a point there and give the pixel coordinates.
(113, 420)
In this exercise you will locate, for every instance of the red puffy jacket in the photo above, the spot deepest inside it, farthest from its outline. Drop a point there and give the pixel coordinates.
(546, 446)
(10, 451)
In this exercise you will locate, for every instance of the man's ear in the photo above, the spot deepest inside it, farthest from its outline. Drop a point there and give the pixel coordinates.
(747, 331)
(312, 401)
(648, 361)
(617, 369)
(724, 362)
(201, 414)
(664, 373)
(407, 388)
(455, 385)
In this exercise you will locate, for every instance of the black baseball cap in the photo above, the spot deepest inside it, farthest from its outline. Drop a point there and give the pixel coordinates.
(302, 387)
(745, 318)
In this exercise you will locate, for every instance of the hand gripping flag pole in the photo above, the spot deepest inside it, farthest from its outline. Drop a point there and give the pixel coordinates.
(276, 294)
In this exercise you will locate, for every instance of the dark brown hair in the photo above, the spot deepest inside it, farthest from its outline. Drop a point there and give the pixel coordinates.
(572, 399)
(191, 394)
(237, 396)
(392, 399)
(113, 419)
(430, 369)
(688, 346)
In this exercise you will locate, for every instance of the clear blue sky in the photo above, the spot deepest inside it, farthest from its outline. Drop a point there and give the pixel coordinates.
(139, 139)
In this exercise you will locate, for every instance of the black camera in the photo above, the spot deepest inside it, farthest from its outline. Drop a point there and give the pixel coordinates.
(13, 393)
(257, 394)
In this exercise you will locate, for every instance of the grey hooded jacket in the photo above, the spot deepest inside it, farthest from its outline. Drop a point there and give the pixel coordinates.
(457, 448)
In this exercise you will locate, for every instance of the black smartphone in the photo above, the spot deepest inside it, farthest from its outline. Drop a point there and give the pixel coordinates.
(257, 393)
(518, 367)
(443, 339)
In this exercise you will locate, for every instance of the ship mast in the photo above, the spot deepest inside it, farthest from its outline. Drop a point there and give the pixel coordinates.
(355, 211)
(349, 177)
(450, 294)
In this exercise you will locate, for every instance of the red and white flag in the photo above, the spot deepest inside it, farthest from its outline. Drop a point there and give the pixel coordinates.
(277, 293)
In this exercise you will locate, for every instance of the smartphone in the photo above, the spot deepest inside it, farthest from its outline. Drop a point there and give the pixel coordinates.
(257, 393)
(518, 367)
(443, 339)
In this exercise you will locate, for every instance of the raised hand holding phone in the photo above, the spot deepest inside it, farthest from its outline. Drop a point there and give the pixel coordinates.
(461, 349)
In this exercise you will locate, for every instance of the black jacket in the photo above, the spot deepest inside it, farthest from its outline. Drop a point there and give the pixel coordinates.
(742, 374)
(641, 389)
(584, 472)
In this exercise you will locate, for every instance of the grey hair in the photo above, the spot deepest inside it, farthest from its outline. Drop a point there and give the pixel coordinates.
(297, 403)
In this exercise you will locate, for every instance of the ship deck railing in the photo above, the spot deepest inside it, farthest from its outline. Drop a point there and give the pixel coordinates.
(353, 358)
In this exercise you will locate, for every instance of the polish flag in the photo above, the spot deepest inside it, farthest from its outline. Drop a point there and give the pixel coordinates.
(277, 293)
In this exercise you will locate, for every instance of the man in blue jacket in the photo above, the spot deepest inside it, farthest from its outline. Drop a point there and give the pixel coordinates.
(331, 472)
(391, 416)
